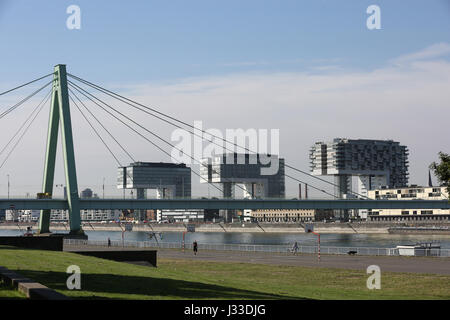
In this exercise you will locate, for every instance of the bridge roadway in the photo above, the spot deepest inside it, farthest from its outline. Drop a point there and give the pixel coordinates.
(229, 204)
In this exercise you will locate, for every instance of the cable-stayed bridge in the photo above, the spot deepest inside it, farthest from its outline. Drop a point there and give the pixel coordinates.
(64, 91)
(226, 204)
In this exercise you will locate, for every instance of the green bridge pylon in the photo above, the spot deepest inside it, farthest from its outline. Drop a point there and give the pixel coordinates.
(60, 113)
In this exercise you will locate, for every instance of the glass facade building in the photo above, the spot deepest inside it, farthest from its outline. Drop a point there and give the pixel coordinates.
(248, 171)
(169, 179)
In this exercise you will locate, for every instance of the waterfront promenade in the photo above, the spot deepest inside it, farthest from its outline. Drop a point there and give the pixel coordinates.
(429, 265)
(391, 264)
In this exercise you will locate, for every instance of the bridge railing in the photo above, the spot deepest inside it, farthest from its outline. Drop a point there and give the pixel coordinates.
(279, 249)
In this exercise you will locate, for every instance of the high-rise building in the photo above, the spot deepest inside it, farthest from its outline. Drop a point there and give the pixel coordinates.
(258, 175)
(373, 163)
(170, 181)
(249, 171)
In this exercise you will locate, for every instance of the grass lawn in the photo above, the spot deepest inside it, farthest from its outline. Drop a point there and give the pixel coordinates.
(182, 279)
(9, 293)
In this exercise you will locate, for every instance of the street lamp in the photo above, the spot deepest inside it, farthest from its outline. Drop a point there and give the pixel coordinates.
(8, 185)
(318, 244)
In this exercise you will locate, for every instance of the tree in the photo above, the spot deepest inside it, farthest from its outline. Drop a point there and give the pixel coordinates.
(442, 170)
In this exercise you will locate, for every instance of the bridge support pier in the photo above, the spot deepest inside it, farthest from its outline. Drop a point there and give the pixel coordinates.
(60, 113)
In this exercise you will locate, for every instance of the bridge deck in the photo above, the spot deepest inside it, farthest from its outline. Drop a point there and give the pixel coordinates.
(230, 204)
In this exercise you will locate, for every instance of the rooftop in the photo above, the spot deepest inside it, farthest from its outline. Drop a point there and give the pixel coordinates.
(157, 165)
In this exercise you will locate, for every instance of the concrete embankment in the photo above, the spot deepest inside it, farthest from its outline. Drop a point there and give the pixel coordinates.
(320, 227)
(234, 227)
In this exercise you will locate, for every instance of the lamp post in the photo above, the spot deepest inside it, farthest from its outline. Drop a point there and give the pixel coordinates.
(8, 185)
(318, 244)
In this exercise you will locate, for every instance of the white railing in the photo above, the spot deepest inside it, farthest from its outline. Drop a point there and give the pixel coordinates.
(283, 249)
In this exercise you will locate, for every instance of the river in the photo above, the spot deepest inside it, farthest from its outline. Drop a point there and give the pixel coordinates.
(337, 240)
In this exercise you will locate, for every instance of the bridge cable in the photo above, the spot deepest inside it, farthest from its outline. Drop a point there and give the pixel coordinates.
(96, 132)
(321, 190)
(99, 122)
(122, 98)
(25, 84)
(152, 133)
(4, 113)
(80, 90)
(24, 123)
(25, 131)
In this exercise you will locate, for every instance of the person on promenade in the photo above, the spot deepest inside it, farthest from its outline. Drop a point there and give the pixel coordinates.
(109, 242)
(295, 248)
(195, 247)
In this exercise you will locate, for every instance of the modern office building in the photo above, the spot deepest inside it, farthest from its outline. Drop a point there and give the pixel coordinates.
(372, 163)
(170, 180)
(86, 215)
(87, 193)
(12, 215)
(29, 215)
(256, 175)
(255, 178)
(96, 215)
(409, 193)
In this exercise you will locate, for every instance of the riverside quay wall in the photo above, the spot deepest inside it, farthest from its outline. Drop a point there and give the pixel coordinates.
(320, 227)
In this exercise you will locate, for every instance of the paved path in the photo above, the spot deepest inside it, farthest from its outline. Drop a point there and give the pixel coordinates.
(433, 265)
(393, 264)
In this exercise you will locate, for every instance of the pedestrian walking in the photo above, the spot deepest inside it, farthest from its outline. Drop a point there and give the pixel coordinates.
(109, 242)
(295, 248)
(195, 247)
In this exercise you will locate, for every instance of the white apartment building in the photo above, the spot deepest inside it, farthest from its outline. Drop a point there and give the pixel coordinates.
(87, 215)
(278, 215)
(412, 192)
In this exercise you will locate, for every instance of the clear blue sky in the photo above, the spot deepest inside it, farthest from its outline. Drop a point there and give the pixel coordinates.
(158, 40)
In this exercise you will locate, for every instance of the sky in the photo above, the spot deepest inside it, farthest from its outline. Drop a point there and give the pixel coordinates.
(311, 69)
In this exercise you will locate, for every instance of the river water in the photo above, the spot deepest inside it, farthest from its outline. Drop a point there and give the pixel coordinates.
(337, 240)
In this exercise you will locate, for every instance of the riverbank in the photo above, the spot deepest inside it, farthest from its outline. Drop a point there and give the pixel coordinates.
(319, 227)
(229, 276)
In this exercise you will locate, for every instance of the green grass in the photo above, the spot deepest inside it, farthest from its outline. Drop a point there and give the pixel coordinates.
(182, 279)
(9, 293)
